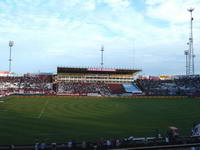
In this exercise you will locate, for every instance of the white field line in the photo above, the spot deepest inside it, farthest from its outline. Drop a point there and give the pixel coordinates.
(43, 109)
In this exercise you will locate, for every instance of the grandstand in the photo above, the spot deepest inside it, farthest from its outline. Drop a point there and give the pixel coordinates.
(73, 81)
(26, 84)
(95, 81)
(98, 82)
(176, 85)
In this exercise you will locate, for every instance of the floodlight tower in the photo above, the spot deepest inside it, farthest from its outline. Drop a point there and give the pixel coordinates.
(102, 50)
(11, 44)
(191, 49)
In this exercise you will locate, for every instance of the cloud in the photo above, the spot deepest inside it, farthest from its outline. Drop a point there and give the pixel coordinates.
(117, 4)
(174, 11)
(71, 32)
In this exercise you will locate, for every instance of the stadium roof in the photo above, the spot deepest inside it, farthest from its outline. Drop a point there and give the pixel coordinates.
(96, 70)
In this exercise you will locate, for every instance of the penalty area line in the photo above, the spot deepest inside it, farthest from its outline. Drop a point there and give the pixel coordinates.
(43, 109)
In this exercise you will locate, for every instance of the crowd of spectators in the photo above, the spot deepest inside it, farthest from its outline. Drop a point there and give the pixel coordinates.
(43, 84)
(83, 88)
(125, 143)
(185, 85)
(25, 84)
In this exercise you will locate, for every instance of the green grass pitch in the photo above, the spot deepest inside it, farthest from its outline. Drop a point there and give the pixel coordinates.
(59, 119)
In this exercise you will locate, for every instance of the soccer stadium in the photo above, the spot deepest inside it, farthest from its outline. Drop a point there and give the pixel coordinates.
(83, 108)
(140, 94)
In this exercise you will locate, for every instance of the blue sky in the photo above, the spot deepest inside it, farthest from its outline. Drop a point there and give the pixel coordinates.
(146, 34)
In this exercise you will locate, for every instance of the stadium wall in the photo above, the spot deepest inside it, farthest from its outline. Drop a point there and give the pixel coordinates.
(148, 97)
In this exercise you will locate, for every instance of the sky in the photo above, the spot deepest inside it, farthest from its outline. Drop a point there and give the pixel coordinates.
(150, 35)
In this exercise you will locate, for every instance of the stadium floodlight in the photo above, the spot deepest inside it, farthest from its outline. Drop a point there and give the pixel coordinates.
(190, 56)
(190, 9)
(10, 44)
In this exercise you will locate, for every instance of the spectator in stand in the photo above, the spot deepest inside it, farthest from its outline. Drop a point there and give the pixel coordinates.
(53, 146)
(108, 144)
(83, 145)
(37, 146)
(43, 146)
(117, 143)
(12, 147)
(69, 144)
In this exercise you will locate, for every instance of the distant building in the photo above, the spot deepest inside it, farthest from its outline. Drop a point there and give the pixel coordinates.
(4, 73)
